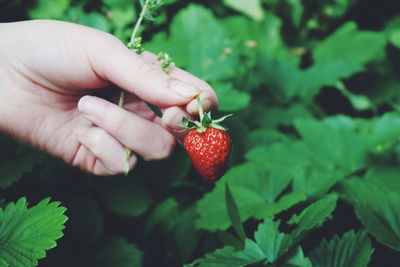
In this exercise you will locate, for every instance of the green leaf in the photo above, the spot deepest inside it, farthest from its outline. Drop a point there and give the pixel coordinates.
(231, 99)
(350, 45)
(383, 133)
(26, 233)
(296, 258)
(118, 252)
(186, 237)
(377, 209)
(297, 11)
(233, 213)
(311, 173)
(273, 243)
(313, 216)
(166, 213)
(274, 116)
(228, 257)
(255, 189)
(333, 142)
(385, 177)
(95, 20)
(12, 168)
(120, 19)
(124, 197)
(352, 250)
(212, 54)
(393, 31)
(382, 218)
(118, 3)
(287, 81)
(46, 9)
(251, 8)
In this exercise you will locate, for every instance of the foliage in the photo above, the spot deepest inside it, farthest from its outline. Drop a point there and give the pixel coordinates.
(314, 175)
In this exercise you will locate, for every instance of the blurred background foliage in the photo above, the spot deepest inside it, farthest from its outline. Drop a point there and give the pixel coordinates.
(314, 86)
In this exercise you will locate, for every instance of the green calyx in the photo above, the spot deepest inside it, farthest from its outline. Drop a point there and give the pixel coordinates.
(205, 121)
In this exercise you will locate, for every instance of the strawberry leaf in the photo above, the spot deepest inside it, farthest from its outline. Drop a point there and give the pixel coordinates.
(26, 233)
(12, 168)
(377, 209)
(352, 249)
(313, 216)
(233, 213)
(255, 189)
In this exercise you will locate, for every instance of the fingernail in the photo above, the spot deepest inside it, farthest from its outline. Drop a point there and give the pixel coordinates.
(206, 103)
(184, 89)
(171, 118)
(88, 105)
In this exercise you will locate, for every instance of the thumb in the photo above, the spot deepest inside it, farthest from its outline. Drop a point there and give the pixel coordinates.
(113, 62)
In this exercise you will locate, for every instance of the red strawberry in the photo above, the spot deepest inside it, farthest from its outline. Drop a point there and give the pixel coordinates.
(208, 145)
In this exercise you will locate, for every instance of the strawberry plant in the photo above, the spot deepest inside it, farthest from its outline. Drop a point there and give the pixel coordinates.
(313, 174)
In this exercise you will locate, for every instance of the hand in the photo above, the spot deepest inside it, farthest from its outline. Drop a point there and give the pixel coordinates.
(47, 67)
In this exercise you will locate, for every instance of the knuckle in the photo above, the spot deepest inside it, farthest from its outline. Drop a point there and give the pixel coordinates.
(166, 147)
(163, 148)
(97, 137)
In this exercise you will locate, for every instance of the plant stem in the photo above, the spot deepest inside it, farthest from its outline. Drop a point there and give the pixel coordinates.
(201, 112)
(122, 94)
(121, 99)
(140, 19)
(133, 36)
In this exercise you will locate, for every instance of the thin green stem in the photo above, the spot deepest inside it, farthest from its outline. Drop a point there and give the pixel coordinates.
(121, 99)
(122, 94)
(139, 21)
(201, 112)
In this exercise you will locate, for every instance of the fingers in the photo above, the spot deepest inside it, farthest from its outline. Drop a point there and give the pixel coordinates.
(144, 137)
(110, 155)
(112, 61)
(207, 94)
(170, 120)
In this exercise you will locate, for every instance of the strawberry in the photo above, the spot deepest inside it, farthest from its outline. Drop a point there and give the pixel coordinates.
(208, 145)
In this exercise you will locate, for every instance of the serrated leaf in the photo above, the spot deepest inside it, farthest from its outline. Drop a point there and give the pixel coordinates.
(212, 54)
(255, 188)
(228, 257)
(118, 252)
(313, 216)
(377, 209)
(384, 176)
(26, 233)
(12, 168)
(251, 8)
(350, 45)
(350, 250)
(312, 174)
(271, 241)
(296, 258)
(333, 142)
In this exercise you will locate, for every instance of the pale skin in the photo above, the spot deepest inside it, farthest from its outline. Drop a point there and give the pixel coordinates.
(50, 72)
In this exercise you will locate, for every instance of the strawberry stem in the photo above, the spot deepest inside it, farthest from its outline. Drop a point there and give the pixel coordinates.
(201, 112)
